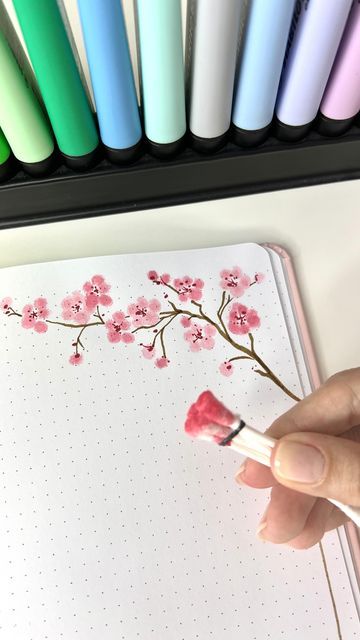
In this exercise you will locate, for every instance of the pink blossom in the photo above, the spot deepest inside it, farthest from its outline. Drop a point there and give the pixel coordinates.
(185, 321)
(259, 277)
(162, 362)
(234, 281)
(74, 308)
(189, 288)
(5, 305)
(226, 368)
(117, 328)
(144, 313)
(157, 279)
(200, 337)
(34, 316)
(96, 292)
(76, 358)
(242, 319)
(148, 350)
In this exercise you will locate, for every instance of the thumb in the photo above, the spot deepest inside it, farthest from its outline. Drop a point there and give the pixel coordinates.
(319, 465)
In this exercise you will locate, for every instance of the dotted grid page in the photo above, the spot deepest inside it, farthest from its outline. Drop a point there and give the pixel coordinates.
(116, 525)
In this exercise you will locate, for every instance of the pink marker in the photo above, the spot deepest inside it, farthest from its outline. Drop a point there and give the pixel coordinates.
(208, 419)
(341, 101)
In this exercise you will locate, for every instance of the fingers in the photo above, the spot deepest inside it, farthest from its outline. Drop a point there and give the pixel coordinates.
(255, 475)
(286, 515)
(306, 523)
(332, 409)
(319, 465)
(315, 526)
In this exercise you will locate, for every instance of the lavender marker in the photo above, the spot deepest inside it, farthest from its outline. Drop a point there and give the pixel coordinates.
(308, 65)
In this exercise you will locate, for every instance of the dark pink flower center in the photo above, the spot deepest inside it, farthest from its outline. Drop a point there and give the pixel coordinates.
(241, 318)
(198, 335)
(231, 280)
(141, 311)
(76, 307)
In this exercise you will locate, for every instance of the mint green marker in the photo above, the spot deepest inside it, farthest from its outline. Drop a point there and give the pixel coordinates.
(160, 45)
(21, 118)
(5, 155)
(59, 80)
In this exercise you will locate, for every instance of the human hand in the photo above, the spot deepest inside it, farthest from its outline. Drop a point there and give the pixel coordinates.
(317, 457)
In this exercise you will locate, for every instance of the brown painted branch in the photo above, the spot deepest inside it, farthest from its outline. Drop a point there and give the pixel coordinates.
(74, 326)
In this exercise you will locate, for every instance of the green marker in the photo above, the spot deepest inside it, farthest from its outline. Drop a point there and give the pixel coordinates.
(59, 80)
(5, 154)
(21, 117)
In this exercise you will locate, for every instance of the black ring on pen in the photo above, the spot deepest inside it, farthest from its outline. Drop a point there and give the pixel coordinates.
(232, 434)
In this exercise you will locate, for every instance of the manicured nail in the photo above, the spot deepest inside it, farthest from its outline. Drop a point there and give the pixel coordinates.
(239, 473)
(299, 462)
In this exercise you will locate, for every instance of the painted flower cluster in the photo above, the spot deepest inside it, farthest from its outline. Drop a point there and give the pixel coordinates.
(144, 322)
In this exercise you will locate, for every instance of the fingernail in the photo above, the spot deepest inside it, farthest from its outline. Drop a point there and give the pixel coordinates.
(299, 463)
(260, 529)
(239, 473)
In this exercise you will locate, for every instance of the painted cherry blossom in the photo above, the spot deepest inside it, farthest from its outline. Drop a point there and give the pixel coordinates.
(96, 292)
(200, 337)
(144, 312)
(34, 316)
(117, 328)
(242, 320)
(259, 278)
(5, 305)
(80, 311)
(148, 350)
(185, 321)
(162, 362)
(74, 308)
(189, 288)
(234, 281)
(226, 368)
(76, 359)
(158, 279)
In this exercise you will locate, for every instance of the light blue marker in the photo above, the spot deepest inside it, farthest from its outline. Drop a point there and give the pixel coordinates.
(265, 39)
(159, 32)
(112, 78)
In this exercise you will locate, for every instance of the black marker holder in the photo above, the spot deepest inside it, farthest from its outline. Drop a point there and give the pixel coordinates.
(189, 177)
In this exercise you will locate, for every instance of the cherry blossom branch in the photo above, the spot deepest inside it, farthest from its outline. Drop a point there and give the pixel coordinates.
(14, 313)
(250, 353)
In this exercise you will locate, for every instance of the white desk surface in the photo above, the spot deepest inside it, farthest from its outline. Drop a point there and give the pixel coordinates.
(319, 226)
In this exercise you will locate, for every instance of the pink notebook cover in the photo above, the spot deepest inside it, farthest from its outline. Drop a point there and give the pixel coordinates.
(352, 531)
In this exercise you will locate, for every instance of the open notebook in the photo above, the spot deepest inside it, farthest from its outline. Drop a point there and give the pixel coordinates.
(114, 524)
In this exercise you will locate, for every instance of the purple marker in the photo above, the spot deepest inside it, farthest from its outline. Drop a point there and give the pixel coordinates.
(341, 101)
(308, 65)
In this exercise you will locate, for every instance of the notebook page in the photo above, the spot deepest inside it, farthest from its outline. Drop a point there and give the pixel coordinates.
(115, 525)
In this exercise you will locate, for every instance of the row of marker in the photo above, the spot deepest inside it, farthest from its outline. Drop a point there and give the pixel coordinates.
(247, 64)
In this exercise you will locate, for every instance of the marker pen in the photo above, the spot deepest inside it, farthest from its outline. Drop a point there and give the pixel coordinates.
(341, 101)
(112, 78)
(211, 46)
(265, 38)
(5, 157)
(308, 65)
(22, 120)
(159, 37)
(59, 80)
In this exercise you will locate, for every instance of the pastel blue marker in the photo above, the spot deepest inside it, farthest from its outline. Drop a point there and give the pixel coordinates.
(265, 39)
(112, 77)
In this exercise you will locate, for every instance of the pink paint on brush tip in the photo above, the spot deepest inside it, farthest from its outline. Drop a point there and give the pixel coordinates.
(208, 419)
